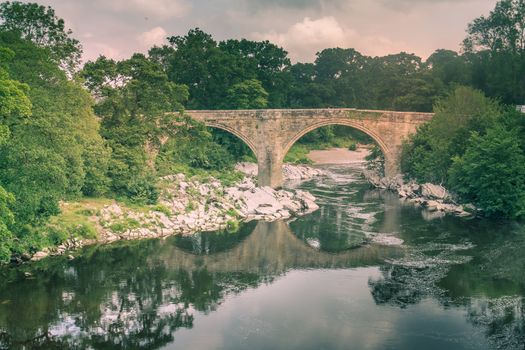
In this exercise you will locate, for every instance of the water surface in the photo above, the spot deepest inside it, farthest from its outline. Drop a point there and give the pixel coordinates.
(308, 284)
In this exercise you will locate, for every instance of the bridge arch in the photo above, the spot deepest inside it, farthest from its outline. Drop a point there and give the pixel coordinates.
(377, 139)
(236, 133)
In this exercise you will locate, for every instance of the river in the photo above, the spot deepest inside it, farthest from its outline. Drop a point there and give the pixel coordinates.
(318, 282)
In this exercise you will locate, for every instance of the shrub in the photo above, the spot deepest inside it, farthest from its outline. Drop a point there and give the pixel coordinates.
(428, 154)
(85, 231)
(491, 173)
(162, 209)
(232, 226)
(118, 227)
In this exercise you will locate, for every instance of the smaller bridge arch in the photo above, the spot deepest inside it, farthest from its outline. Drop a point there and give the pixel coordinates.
(271, 132)
(349, 123)
(236, 133)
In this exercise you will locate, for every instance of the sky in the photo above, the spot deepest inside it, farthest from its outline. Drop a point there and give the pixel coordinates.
(118, 28)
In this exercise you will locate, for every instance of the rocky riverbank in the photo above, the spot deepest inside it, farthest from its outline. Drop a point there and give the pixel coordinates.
(435, 198)
(290, 171)
(188, 205)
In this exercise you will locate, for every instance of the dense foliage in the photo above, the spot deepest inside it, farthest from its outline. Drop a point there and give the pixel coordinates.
(491, 172)
(477, 148)
(51, 148)
(429, 154)
(474, 144)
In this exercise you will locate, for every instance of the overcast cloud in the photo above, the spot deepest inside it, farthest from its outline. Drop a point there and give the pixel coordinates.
(117, 28)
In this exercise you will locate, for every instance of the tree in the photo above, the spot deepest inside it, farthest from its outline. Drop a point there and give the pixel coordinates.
(48, 155)
(193, 147)
(428, 154)
(14, 103)
(139, 107)
(265, 62)
(502, 30)
(341, 70)
(305, 91)
(248, 94)
(6, 220)
(40, 25)
(449, 67)
(491, 173)
(208, 71)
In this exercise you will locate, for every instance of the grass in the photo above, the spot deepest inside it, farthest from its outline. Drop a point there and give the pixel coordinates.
(124, 225)
(75, 221)
(232, 226)
(233, 213)
(190, 207)
(227, 177)
(162, 209)
(298, 154)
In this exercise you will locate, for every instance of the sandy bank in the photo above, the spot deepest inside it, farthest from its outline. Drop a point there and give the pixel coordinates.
(338, 156)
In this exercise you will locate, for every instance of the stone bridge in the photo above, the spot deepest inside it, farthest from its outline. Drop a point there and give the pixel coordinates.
(270, 133)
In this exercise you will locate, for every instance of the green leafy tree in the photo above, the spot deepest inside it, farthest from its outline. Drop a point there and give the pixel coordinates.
(14, 103)
(248, 94)
(135, 101)
(428, 154)
(305, 91)
(491, 173)
(265, 62)
(341, 71)
(502, 30)
(193, 146)
(197, 62)
(449, 67)
(495, 51)
(49, 155)
(40, 25)
(6, 220)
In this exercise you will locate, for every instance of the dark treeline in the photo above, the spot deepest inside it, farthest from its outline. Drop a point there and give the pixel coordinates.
(105, 129)
(247, 74)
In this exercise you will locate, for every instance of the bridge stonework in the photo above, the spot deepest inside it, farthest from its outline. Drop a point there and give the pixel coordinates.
(270, 133)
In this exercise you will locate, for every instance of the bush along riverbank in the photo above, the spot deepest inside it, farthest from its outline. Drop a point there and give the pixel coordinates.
(434, 198)
(188, 205)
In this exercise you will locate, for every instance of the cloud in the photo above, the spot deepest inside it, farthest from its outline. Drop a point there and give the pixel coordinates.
(374, 27)
(295, 4)
(304, 39)
(102, 49)
(155, 36)
(160, 9)
(403, 5)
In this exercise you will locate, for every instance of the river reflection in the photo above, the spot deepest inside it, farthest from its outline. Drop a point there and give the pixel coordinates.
(454, 283)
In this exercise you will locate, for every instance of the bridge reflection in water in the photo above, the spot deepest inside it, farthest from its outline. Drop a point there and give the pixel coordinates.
(136, 294)
(272, 249)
